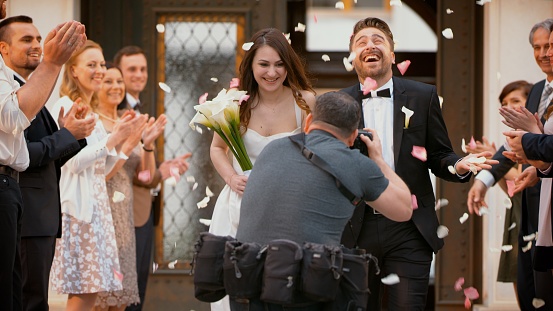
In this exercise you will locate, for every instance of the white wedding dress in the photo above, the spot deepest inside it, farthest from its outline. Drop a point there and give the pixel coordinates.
(226, 212)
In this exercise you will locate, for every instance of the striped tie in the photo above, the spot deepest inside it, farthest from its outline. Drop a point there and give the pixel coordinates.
(545, 100)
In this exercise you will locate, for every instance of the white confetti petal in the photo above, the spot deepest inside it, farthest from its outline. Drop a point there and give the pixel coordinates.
(464, 218)
(247, 46)
(483, 211)
(199, 130)
(538, 303)
(396, 3)
(160, 28)
(208, 192)
(172, 264)
(508, 203)
(513, 225)
(194, 186)
(171, 181)
(390, 279)
(351, 56)
(463, 146)
(206, 222)
(118, 197)
(347, 65)
(451, 169)
(529, 237)
(325, 57)
(441, 99)
(476, 160)
(300, 28)
(449, 11)
(190, 179)
(154, 267)
(203, 203)
(441, 203)
(506, 248)
(166, 88)
(339, 5)
(442, 231)
(473, 169)
(498, 76)
(482, 2)
(447, 33)
(527, 247)
(214, 79)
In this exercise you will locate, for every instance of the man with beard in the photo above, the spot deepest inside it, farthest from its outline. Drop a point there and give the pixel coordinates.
(18, 106)
(402, 248)
(49, 148)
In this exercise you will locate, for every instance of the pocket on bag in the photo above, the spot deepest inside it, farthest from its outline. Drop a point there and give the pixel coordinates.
(281, 272)
(243, 269)
(321, 271)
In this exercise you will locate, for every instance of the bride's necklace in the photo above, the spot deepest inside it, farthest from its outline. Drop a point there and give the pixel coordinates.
(106, 117)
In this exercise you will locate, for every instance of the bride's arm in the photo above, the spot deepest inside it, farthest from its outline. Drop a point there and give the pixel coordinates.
(219, 156)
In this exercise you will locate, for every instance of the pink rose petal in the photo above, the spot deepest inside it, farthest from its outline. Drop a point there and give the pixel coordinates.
(202, 99)
(315, 18)
(472, 143)
(174, 171)
(467, 303)
(243, 98)
(510, 188)
(414, 202)
(471, 293)
(419, 153)
(459, 284)
(369, 85)
(234, 83)
(118, 275)
(402, 67)
(144, 176)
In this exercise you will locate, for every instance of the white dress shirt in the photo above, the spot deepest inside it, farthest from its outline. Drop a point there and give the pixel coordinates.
(13, 149)
(378, 114)
(132, 101)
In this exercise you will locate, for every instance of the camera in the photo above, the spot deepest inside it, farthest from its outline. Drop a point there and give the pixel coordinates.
(359, 144)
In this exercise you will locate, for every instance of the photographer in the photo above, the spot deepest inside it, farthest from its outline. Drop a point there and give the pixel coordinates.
(289, 197)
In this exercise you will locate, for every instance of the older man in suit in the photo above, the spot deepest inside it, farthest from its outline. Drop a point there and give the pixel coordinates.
(48, 149)
(530, 284)
(403, 248)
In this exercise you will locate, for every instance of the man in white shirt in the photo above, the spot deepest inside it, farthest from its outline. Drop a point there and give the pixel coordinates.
(530, 284)
(18, 106)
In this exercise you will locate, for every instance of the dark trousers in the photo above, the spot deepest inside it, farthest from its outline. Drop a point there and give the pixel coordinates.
(258, 305)
(11, 210)
(400, 249)
(144, 242)
(37, 254)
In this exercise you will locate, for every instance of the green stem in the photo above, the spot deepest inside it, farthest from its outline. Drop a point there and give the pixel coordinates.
(224, 137)
(236, 131)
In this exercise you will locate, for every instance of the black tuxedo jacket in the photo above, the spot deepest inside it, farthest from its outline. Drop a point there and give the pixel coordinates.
(427, 129)
(49, 148)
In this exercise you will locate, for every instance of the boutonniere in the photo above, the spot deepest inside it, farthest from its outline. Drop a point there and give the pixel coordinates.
(408, 114)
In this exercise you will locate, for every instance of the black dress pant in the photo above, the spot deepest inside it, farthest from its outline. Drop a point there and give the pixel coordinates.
(11, 210)
(400, 249)
(144, 242)
(37, 254)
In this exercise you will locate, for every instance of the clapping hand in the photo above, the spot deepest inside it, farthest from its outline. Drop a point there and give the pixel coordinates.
(482, 146)
(153, 129)
(522, 119)
(75, 122)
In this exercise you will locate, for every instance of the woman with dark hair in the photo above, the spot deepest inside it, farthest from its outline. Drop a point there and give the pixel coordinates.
(280, 98)
(86, 260)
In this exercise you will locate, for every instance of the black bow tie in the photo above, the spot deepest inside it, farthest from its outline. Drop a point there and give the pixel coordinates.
(381, 93)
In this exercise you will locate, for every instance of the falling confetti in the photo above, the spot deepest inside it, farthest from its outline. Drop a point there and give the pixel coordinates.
(451, 169)
(467, 303)
(449, 11)
(369, 85)
(447, 33)
(190, 179)
(529, 237)
(160, 28)
(513, 225)
(347, 65)
(471, 293)
(351, 56)
(287, 36)
(441, 99)
(508, 203)
(442, 231)
(472, 143)
(117, 197)
(118, 275)
(396, 3)
(473, 169)
(206, 222)
(325, 57)
(459, 284)
(194, 186)
(441, 203)
(527, 247)
(214, 79)
(463, 146)
(172, 264)
(174, 172)
(507, 248)
(243, 98)
(199, 130)
(339, 5)
(144, 176)
(208, 192)
(171, 181)
(538, 303)
(463, 218)
(391, 279)
(203, 203)
(476, 160)
(482, 2)
(166, 88)
(234, 83)
(414, 203)
(247, 46)
(483, 211)
(300, 28)
(402, 67)
(202, 99)
(419, 153)
(154, 267)
(510, 188)
(315, 18)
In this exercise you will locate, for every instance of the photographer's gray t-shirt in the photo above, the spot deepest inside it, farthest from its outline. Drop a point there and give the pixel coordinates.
(288, 197)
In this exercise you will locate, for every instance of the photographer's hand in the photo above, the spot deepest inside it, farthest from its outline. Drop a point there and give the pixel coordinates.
(373, 146)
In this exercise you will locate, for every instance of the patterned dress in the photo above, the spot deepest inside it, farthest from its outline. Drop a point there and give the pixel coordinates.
(86, 259)
(123, 220)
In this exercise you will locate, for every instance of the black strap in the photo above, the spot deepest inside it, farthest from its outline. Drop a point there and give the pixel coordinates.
(299, 140)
